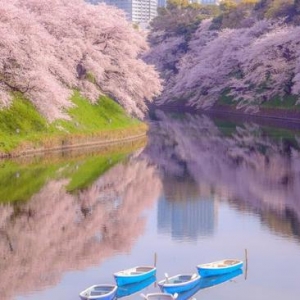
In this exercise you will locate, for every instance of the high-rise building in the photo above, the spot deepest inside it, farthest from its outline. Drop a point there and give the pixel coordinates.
(206, 2)
(137, 11)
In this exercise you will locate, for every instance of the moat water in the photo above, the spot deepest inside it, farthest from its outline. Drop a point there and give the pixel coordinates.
(200, 189)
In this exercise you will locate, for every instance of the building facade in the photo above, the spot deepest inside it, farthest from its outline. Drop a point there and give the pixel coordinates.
(137, 11)
(206, 2)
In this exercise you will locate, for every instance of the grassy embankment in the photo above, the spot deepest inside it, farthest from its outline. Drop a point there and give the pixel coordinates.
(23, 129)
(279, 103)
(281, 108)
(278, 109)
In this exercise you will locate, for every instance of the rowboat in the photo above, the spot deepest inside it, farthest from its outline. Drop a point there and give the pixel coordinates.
(178, 283)
(132, 288)
(133, 275)
(99, 292)
(159, 296)
(219, 267)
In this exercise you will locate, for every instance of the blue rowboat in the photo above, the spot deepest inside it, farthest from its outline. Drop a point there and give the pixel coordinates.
(219, 267)
(133, 275)
(99, 292)
(129, 289)
(178, 283)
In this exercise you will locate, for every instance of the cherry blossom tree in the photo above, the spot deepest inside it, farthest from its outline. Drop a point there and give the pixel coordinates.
(252, 65)
(50, 48)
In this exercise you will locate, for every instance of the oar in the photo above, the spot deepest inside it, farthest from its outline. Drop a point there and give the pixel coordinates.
(167, 277)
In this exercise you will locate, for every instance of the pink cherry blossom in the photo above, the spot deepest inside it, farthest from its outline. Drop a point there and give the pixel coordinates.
(252, 64)
(50, 48)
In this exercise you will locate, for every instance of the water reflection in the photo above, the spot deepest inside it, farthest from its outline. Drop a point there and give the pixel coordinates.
(71, 212)
(56, 230)
(186, 220)
(208, 282)
(255, 168)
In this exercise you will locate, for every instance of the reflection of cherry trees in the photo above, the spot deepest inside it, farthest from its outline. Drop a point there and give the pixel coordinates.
(57, 231)
(247, 167)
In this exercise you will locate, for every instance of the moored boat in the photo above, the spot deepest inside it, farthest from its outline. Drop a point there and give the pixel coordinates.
(178, 283)
(99, 292)
(133, 275)
(219, 267)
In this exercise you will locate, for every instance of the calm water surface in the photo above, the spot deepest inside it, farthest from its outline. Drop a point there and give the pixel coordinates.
(200, 190)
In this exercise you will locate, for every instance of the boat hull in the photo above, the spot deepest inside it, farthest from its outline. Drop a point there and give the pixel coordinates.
(218, 268)
(99, 292)
(123, 279)
(129, 289)
(108, 297)
(178, 286)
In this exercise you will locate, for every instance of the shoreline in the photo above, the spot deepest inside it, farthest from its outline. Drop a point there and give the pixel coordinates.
(266, 116)
(87, 143)
(277, 114)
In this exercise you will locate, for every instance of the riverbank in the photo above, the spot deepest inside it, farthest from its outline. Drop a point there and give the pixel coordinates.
(274, 117)
(73, 142)
(268, 116)
(24, 131)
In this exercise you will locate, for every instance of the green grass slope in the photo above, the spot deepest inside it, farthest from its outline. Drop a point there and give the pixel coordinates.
(22, 127)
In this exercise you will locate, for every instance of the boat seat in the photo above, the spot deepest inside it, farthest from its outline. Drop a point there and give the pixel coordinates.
(143, 269)
(178, 281)
(185, 277)
(230, 262)
(96, 293)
